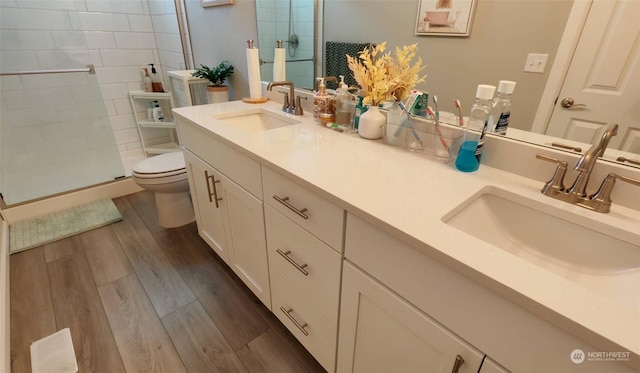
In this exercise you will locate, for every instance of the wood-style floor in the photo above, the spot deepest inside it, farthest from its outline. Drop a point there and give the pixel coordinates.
(141, 298)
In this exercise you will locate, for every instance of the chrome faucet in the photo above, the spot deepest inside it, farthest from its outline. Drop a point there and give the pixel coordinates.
(576, 194)
(291, 104)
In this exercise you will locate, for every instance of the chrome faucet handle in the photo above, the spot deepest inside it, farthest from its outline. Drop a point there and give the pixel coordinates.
(298, 109)
(285, 104)
(602, 198)
(554, 185)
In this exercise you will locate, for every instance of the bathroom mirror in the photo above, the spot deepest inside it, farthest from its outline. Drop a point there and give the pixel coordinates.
(496, 49)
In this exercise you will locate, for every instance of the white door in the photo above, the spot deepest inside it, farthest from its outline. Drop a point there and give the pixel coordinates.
(604, 76)
(204, 183)
(381, 332)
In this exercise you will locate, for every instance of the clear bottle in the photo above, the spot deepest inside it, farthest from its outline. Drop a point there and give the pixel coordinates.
(324, 108)
(344, 107)
(360, 109)
(468, 159)
(397, 123)
(501, 108)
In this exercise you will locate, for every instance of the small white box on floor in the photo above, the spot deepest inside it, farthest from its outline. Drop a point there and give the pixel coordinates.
(54, 354)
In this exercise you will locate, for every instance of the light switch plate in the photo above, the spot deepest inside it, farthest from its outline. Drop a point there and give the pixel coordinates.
(536, 63)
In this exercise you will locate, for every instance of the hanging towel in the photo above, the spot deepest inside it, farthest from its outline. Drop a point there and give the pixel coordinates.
(336, 60)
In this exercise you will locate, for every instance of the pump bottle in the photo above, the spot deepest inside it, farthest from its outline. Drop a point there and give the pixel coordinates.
(324, 107)
(344, 107)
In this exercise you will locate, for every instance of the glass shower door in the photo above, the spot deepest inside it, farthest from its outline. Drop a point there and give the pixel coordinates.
(55, 133)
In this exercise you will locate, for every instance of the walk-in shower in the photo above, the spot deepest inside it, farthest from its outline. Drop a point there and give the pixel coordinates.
(62, 128)
(293, 22)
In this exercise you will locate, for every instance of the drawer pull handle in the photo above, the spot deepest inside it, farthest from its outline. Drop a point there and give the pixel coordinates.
(293, 320)
(457, 363)
(285, 201)
(215, 191)
(289, 259)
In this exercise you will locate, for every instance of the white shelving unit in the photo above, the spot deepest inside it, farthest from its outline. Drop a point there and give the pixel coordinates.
(140, 102)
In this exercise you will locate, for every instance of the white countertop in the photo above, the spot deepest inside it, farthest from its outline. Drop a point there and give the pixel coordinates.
(407, 194)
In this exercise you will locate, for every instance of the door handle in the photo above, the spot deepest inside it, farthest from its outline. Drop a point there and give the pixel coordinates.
(568, 103)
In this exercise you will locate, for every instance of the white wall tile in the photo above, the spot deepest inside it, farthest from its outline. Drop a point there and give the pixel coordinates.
(18, 61)
(104, 21)
(165, 23)
(122, 106)
(74, 19)
(34, 19)
(11, 83)
(140, 23)
(122, 121)
(68, 59)
(48, 4)
(129, 135)
(114, 91)
(117, 6)
(54, 80)
(96, 59)
(118, 74)
(69, 39)
(110, 107)
(100, 39)
(115, 57)
(135, 40)
(26, 39)
(41, 98)
(86, 93)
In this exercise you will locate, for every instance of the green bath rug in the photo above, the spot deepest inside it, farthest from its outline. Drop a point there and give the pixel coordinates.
(38, 231)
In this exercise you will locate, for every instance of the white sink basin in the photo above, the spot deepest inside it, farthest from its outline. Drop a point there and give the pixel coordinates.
(580, 248)
(256, 120)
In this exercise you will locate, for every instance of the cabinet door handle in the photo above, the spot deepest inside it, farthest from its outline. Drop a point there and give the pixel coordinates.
(285, 201)
(289, 259)
(293, 320)
(457, 363)
(209, 186)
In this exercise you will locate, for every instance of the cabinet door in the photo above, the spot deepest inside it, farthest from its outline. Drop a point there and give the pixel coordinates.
(490, 366)
(204, 182)
(246, 238)
(381, 332)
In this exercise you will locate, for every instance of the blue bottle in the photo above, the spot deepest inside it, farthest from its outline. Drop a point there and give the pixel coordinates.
(468, 159)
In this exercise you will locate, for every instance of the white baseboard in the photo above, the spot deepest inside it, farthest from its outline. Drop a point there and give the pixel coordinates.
(5, 351)
(42, 207)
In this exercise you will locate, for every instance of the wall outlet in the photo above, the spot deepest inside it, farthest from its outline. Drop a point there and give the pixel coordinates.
(536, 63)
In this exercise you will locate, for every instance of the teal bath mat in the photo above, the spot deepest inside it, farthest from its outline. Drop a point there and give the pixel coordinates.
(38, 231)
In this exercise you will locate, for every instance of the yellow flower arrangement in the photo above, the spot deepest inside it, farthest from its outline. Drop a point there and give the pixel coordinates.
(383, 77)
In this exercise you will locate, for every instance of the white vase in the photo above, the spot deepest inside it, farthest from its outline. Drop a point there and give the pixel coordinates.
(217, 94)
(371, 123)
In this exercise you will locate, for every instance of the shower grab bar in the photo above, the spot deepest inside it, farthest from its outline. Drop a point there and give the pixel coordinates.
(89, 69)
(262, 62)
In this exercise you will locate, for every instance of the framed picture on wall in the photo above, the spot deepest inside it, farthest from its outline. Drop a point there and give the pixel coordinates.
(208, 3)
(445, 17)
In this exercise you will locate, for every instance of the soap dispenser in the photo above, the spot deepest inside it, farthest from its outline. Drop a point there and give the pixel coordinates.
(324, 107)
(344, 106)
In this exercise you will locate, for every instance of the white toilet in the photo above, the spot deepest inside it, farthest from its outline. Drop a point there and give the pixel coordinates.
(166, 176)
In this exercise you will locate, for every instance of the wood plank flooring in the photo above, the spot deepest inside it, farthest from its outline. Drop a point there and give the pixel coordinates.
(141, 298)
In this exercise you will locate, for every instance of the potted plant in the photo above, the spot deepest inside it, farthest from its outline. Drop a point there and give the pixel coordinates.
(217, 91)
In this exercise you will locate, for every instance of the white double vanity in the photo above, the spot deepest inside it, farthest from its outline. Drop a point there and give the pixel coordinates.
(371, 257)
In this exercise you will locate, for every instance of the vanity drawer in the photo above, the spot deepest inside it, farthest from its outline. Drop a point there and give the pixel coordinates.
(305, 260)
(300, 315)
(315, 214)
(232, 163)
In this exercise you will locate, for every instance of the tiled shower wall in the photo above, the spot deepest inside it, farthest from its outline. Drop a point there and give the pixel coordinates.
(273, 24)
(117, 36)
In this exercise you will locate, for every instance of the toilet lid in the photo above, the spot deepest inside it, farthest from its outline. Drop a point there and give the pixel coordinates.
(160, 164)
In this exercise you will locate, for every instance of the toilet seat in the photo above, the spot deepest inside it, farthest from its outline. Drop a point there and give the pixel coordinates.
(160, 167)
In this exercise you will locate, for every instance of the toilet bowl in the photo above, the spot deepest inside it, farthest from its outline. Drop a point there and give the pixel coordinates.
(166, 176)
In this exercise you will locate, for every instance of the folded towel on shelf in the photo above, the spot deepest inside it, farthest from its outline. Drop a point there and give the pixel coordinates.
(336, 60)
